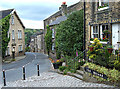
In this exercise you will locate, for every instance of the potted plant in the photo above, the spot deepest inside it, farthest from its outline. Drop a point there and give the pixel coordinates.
(106, 32)
(57, 64)
(91, 47)
(110, 49)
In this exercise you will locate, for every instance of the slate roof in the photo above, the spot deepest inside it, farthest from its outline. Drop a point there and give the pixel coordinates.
(58, 20)
(5, 13)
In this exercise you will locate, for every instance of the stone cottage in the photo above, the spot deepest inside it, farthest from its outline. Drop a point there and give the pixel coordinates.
(16, 31)
(58, 17)
(36, 43)
(103, 22)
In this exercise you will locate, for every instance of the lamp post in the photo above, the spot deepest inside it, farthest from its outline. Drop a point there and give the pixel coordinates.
(13, 52)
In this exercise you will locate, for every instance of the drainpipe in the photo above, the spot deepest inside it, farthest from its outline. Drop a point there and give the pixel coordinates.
(84, 31)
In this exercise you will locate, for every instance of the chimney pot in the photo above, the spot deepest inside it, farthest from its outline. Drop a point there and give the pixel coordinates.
(63, 3)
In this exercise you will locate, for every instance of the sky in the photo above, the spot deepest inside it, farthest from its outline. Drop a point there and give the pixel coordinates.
(33, 12)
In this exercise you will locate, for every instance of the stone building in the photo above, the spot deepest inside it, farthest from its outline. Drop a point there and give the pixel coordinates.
(58, 17)
(103, 22)
(36, 43)
(16, 33)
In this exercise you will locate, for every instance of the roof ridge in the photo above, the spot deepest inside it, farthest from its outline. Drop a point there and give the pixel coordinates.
(8, 9)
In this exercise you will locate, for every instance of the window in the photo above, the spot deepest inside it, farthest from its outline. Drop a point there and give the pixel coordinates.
(8, 52)
(32, 39)
(95, 31)
(53, 45)
(12, 19)
(19, 34)
(20, 48)
(104, 27)
(53, 33)
(103, 4)
(13, 35)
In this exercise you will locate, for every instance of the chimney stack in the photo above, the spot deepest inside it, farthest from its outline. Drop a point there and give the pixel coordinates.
(63, 8)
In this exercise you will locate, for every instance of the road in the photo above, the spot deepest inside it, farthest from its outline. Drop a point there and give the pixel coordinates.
(14, 70)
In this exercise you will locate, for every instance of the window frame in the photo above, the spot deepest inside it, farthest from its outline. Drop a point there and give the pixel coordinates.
(12, 19)
(95, 32)
(13, 34)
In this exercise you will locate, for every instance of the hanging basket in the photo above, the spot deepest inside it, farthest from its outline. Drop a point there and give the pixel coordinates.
(55, 65)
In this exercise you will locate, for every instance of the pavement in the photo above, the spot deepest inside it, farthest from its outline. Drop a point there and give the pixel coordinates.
(16, 59)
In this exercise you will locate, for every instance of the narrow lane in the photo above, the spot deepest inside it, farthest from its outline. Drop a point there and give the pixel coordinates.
(14, 70)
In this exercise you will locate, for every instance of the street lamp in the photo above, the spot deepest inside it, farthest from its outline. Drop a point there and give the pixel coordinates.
(13, 52)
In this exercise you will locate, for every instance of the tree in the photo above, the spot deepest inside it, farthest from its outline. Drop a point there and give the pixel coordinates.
(69, 34)
(48, 39)
(5, 28)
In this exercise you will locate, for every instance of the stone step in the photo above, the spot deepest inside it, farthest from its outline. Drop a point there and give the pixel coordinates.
(80, 72)
(76, 75)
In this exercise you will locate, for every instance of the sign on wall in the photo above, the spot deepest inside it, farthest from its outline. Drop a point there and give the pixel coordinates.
(95, 73)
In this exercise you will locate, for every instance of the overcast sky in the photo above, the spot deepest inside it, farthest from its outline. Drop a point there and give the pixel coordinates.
(33, 12)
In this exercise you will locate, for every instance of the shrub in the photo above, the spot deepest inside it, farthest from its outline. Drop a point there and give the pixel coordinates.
(13, 60)
(73, 71)
(62, 59)
(65, 71)
(112, 74)
(117, 64)
(27, 49)
(61, 68)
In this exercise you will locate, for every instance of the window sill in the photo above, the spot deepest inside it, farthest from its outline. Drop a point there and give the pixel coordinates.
(100, 9)
(102, 42)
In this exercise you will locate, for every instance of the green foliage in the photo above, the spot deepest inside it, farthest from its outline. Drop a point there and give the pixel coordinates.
(69, 34)
(117, 64)
(4, 23)
(27, 49)
(105, 5)
(65, 71)
(112, 74)
(61, 68)
(72, 70)
(48, 39)
(62, 59)
(99, 55)
(29, 33)
(13, 60)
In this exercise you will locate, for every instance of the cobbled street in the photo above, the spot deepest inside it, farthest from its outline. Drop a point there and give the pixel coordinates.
(51, 79)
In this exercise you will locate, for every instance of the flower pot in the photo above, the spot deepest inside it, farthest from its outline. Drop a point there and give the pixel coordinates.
(91, 48)
(110, 50)
(55, 65)
(60, 64)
